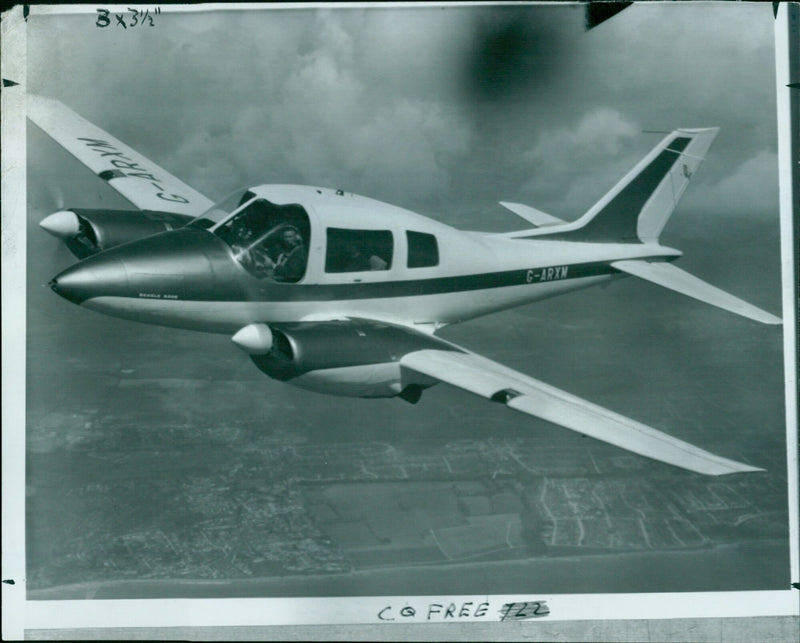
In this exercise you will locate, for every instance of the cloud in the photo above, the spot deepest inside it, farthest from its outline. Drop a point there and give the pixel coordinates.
(568, 163)
(322, 123)
(413, 51)
(415, 140)
(751, 190)
(377, 101)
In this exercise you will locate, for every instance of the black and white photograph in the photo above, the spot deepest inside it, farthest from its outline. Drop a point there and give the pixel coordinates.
(456, 300)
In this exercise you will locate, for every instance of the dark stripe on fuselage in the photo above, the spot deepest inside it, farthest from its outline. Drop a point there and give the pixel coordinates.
(246, 288)
(419, 287)
(194, 265)
(618, 220)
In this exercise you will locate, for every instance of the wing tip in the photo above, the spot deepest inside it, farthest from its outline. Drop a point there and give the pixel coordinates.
(730, 467)
(758, 315)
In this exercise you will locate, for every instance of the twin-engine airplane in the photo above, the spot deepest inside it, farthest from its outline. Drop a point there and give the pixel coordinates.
(342, 294)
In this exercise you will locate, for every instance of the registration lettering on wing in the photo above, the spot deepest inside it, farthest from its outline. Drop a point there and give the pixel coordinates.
(127, 167)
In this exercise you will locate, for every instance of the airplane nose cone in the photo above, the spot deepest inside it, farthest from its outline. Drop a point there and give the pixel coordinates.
(90, 278)
(63, 224)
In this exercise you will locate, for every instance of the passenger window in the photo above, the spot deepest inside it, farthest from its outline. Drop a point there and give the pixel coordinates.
(269, 241)
(358, 250)
(423, 251)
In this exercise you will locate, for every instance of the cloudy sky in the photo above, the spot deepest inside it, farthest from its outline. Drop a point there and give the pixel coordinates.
(445, 110)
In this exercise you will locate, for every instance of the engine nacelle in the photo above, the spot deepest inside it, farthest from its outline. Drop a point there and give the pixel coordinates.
(87, 232)
(347, 358)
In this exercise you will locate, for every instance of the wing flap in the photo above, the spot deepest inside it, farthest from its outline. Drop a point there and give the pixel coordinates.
(672, 277)
(145, 184)
(528, 395)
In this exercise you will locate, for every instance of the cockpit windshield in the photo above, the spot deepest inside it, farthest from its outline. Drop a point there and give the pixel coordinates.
(223, 209)
(268, 240)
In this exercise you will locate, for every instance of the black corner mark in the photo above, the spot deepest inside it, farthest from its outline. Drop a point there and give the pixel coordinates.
(598, 12)
(26, 10)
(9, 83)
(9, 581)
(796, 585)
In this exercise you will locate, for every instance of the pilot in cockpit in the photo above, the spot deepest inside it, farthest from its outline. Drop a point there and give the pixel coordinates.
(267, 251)
(280, 254)
(289, 256)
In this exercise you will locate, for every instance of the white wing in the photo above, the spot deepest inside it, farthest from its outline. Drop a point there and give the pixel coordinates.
(142, 182)
(501, 384)
(672, 277)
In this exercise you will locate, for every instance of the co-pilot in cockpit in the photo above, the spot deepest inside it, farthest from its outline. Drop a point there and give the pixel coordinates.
(268, 240)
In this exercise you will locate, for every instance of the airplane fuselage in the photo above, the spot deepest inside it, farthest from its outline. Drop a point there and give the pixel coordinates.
(230, 298)
(189, 278)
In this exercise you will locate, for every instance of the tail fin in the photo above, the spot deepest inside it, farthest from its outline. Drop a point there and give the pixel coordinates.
(637, 208)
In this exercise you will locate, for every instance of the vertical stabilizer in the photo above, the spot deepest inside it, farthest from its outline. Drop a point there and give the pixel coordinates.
(637, 208)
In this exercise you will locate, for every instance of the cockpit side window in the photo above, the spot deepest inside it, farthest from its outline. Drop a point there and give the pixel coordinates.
(423, 251)
(268, 240)
(358, 250)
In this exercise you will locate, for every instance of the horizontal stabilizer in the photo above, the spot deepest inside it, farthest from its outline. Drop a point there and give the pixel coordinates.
(672, 277)
(523, 393)
(142, 182)
(536, 217)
